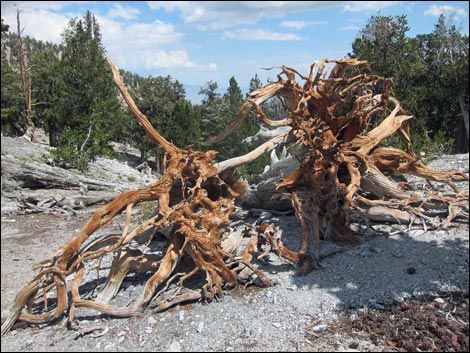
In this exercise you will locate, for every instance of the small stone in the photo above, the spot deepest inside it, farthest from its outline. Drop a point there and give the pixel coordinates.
(245, 333)
(319, 328)
(266, 215)
(200, 327)
(151, 321)
(411, 270)
(377, 306)
(354, 345)
(439, 300)
(276, 324)
(175, 346)
(417, 233)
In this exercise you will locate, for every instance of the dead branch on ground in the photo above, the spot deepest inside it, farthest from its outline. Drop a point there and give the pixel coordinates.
(331, 116)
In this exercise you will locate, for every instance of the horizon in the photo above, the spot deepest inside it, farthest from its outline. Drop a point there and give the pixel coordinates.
(201, 41)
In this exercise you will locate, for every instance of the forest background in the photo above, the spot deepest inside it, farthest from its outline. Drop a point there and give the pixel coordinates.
(68, 91)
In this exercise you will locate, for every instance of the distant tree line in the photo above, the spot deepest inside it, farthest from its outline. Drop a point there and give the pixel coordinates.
(76, 102)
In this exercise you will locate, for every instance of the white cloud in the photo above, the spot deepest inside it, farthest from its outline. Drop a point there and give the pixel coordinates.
(258, 34)
(138, 45)
(40, 19)
(447, 10)
(137, 35)
(125, 12)
(132, 45)
(300, 24)
(174, 59)
(367, 6)
(38, 5)
(350, 28)
(33, 24)
(222, 14)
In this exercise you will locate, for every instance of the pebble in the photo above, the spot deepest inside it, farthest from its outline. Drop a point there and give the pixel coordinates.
(319, 328)
(200, 327)
(151, 320)
(175, 346)
(416, 233)
(266, 215)
(376, 305)
(245, 333)
(354, 345)
(411, 270)
(276, 324)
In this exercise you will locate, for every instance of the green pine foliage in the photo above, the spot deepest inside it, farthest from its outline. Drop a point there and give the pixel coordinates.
(430, 73)
(76, 102)
(87, 107)
(13, 120)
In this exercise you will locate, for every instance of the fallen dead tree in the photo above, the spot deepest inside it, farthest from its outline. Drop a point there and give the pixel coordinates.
(330, 118)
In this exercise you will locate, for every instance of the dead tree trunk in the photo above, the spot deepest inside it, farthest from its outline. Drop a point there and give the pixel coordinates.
(330, 116)
(25, 83)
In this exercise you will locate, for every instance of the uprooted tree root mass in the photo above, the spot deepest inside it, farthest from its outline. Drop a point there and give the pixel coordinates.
(338, 117)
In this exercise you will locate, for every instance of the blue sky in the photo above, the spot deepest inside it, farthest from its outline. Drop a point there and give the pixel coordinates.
(198, 41)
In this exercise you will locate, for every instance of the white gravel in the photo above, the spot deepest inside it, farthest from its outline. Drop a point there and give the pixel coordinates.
(285, 316)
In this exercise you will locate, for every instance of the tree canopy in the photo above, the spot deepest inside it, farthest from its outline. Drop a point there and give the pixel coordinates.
(430, 73)
(75, 102)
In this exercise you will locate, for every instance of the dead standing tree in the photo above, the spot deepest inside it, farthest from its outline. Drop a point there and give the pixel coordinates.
(330, 116)
(25, 82)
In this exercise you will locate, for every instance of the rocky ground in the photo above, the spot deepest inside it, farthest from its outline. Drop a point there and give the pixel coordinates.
(402, 289)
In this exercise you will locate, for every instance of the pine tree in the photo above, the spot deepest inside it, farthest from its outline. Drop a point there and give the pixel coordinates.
(87, 108)
(183, 128)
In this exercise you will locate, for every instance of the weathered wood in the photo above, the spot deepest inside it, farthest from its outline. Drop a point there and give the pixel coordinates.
(340, 170)
(34, 175)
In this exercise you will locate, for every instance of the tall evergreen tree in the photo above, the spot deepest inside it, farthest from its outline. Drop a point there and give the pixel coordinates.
(46, 87)
(183, 128)
(209, 112)
(11, 102)
(158, 97)
(382, 42)
(430, 73)
(449, 81)
(87, 108)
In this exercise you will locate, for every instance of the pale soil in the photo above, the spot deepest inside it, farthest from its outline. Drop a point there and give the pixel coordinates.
(296, 314)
